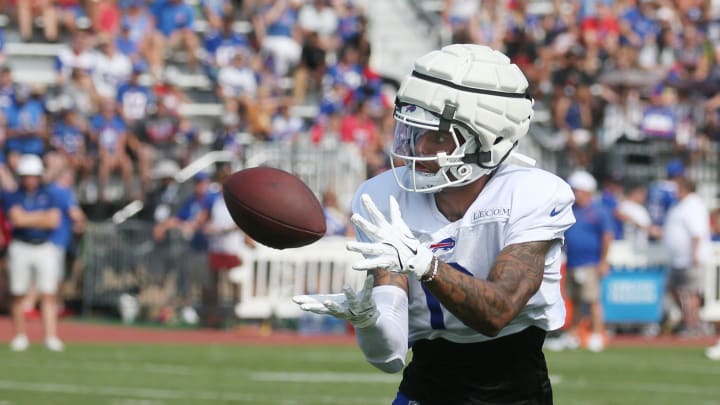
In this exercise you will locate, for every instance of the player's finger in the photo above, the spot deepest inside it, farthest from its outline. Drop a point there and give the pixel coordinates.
(314, 307)
(303, 299)
(375, 215)
(373, 263)
(350, 295)
(367, 291)
(396, 217)
(368, 284)
(366, 226)
(367, 249)
(334, 309)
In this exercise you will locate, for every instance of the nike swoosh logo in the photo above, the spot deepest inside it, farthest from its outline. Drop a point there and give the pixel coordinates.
(414, 251)
(554, 212)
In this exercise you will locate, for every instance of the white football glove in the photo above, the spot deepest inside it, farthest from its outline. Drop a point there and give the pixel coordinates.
(393, 245)
(357, 308)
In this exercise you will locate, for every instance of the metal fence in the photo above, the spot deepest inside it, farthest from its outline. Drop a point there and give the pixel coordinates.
(124, 258)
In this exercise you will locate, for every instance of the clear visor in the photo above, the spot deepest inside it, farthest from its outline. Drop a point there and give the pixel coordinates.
(412, 123)
(406, 137)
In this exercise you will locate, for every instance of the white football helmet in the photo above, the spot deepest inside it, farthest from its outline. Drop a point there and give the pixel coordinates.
(471, 92)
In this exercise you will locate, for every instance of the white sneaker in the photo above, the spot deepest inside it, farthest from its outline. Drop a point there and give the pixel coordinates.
(54, 344)
(713, 352)
(571, 341)
(20, 343)
(596, 343)
(562, 342)
(189, 315)
(555, 344)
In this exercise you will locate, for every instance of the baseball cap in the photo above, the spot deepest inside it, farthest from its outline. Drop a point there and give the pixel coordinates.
(582, 180)
(675, 168)
(30, 165)
(201, 176)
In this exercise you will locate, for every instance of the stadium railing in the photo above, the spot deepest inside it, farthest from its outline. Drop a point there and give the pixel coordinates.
(269, 278)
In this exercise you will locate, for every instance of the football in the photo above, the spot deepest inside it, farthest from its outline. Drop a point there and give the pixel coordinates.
(274, 207)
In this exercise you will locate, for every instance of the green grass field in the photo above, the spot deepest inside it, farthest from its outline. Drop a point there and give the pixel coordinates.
(260, 375)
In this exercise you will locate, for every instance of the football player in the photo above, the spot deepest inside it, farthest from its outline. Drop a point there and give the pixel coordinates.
(462, 246)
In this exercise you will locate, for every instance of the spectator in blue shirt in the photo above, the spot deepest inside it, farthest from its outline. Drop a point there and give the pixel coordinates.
(7, 89)
(138, 30)
(2, 45)
(662, 194)
(612, 194)
(221, 45)
(26, 125)
(68, 145)
(175, 21)
(72, 219)
(190, 221)
(134, 98)
(277, 31)
(34, 212)
(108, 134)
(215, 11)
(587, 244)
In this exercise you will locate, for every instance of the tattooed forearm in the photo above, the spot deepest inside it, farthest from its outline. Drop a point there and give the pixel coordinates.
(384, 277)
(488, 305)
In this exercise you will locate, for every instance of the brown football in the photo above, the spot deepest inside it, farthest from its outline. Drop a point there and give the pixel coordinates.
(274, 207)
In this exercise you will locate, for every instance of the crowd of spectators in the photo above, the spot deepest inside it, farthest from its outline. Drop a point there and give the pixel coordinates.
(115, 106)
(112, 116)
(609, 71)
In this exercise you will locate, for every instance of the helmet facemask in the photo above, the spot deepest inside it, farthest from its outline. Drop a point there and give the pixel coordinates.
(457, 163)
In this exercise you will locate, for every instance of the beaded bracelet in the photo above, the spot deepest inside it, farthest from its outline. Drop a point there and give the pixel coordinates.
(432, 274)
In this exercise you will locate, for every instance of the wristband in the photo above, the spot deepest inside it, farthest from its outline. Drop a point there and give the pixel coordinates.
(428, 278)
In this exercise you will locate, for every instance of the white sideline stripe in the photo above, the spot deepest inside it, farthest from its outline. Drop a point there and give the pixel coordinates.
(355, 378)
(640, 387)
(170, 369)
(156, 394)
(131, 368)
(132, 392)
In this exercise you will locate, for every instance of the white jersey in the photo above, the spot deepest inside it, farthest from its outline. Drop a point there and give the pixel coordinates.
(110, 73)
(687, 219)
(518, 204)
(220, 218)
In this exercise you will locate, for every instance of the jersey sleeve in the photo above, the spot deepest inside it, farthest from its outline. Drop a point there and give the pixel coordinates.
(541, 210)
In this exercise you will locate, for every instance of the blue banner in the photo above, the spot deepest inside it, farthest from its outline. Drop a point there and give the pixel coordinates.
(634, 295)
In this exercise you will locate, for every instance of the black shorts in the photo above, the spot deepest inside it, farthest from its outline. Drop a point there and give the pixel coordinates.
(507, 370)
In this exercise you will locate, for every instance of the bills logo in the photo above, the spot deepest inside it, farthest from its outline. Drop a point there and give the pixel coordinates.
(445, 244)
(410, 108)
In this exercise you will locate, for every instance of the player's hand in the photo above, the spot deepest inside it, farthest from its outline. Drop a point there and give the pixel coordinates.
(357, 308)
(393, 246)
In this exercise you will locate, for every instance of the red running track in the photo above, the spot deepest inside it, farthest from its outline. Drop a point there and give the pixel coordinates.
(77, 331)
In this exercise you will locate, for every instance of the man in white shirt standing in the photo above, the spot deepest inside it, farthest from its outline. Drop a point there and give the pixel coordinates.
(686, 237)
(637, 224)
(462, 248)
(225, 244)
